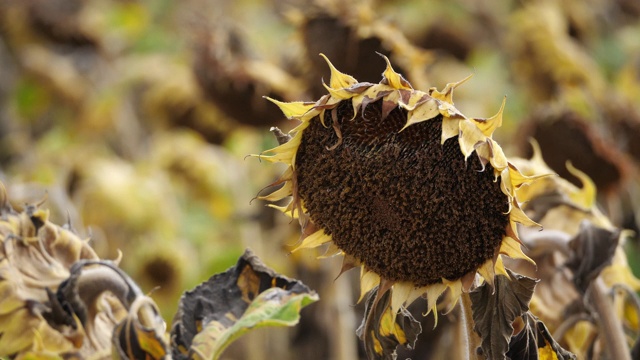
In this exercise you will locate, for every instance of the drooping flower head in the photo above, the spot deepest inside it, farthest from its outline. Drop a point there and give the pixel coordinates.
(402, 184)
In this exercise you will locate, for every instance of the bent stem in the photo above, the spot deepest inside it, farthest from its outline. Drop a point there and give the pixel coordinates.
(470, 338)
(610, 325)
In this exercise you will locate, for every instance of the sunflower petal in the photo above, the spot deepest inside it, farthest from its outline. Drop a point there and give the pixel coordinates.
(283, 192)
(487, 271)
(338, 79)
(450, 128)
(447, 92)
(423, 112)
(400, 294)
(470, 137)
(292, 109)
(512, 249)
(499, 267)
(586, 196)
(368, 281)
(519, 216)
(314, 240)
(488, 126)
(456, 291)
(433, 292)
(394, 79)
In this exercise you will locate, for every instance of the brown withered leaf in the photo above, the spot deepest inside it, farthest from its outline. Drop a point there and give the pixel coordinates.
(495, 309)
(592, 250)
(534, 342)
(381, 333)
(140, 335)
(246, 296)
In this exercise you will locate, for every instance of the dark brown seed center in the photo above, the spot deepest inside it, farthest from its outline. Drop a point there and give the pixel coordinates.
(407, 207)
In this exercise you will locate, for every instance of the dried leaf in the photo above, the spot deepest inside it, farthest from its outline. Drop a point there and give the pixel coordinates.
(495, 309)
(246, 296)
(72, 311)
(140, 334)
(592, 250)
(382, 332)
(535, 342)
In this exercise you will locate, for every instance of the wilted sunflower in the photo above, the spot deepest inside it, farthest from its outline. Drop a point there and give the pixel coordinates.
(403, 185)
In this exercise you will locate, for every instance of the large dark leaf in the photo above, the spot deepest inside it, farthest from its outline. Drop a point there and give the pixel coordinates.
(381, 332)
(246, 296)
(495, 309)
(535, 342)
(592, 250)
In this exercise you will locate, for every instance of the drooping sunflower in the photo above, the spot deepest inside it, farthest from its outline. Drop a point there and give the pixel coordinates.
(402, 184)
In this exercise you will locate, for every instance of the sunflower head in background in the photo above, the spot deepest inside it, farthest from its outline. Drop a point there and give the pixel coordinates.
(403, 185)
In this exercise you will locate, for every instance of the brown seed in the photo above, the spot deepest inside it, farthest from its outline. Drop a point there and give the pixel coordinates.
(408, 207)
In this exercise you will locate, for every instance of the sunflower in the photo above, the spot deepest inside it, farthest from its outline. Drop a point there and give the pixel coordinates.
(403, 185)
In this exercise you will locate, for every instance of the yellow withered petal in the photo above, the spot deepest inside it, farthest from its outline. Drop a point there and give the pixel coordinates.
(536, 158)
(338, 79)
(512, 249)
(8, 293)
(340, 93)
(488, 126)
(448, 110)
(491, 152)
(415, 293)
(314, 240)
(400, 294)
(499, 159)
(394, 79)
(517, 215)
(488, 271)
(368, 281)
(433, 293)
(450, 128)
(14, 326)
(413, 99)
(499, 267)
(470, 137)
(447, 93)
(332, 250)
(292, 109)
(423, 112)
(283, 192)
(284, 153)
(287, 210)
(586, 196)
(518, 179)
(455, 287)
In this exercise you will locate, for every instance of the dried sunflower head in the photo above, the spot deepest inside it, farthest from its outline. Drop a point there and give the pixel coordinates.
(58, 299)
(402, 184)
(572, 222)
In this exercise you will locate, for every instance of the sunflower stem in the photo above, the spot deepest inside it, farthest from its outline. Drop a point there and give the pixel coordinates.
(471, 339)
(610, 325)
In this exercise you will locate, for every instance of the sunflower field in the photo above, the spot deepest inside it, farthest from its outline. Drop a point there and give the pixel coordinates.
(320, 179)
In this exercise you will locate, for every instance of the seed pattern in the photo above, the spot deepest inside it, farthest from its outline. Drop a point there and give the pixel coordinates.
(407, 207)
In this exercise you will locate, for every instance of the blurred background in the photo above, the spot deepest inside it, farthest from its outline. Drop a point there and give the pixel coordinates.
(133, 119)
